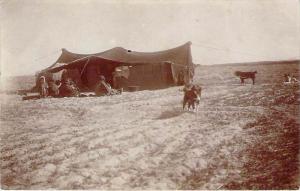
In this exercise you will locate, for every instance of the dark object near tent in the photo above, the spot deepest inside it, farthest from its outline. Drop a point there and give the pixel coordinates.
(123, 68)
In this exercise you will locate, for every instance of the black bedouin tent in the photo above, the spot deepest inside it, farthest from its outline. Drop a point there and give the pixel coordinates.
(123, 68)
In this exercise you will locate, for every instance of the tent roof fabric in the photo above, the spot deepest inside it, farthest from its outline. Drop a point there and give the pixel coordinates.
(180, 55)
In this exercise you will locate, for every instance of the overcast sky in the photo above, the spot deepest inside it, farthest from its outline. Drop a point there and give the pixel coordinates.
(221, 31)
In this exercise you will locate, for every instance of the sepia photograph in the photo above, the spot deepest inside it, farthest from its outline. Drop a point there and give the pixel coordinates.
(149, 94)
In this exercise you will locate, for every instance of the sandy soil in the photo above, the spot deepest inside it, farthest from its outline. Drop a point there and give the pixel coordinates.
(143, 140)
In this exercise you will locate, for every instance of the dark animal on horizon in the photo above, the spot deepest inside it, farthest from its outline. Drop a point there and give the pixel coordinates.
(192, 97)
(246, 75)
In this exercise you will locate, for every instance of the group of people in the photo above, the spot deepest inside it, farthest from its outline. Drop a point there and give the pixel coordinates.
(68, 88)
(64, 88)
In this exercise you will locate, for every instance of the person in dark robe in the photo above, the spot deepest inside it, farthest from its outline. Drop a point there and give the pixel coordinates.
(103, 88)
(54, 88)
(69, 88)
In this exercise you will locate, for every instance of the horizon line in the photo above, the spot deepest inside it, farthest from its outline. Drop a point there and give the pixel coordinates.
(229, 63)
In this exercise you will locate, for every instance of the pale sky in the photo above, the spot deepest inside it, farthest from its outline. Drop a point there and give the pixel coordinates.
(221, 31)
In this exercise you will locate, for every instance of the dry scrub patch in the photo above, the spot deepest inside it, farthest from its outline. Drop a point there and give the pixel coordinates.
(272, 162)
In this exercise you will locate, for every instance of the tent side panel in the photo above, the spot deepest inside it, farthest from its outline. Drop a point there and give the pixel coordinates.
(151, 76)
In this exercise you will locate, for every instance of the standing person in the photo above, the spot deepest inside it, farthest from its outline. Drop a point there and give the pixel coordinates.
(43, 87)
(180, 78)
(115, 79)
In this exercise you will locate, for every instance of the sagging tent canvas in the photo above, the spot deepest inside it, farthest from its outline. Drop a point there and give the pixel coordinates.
(123, 68)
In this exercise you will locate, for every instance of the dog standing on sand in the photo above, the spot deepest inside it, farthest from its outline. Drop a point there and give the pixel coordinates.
(192, 97)
(246, 75)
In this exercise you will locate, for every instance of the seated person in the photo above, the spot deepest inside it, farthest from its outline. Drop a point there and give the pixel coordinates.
(103, 88)
(69, 88)
(294, 79)
(54, 88)
(289, 79)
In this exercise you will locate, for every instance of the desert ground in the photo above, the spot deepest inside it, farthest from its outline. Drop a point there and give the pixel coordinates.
(242, 137)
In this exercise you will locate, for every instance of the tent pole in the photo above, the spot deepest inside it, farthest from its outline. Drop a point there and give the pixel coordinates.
(86, 63)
